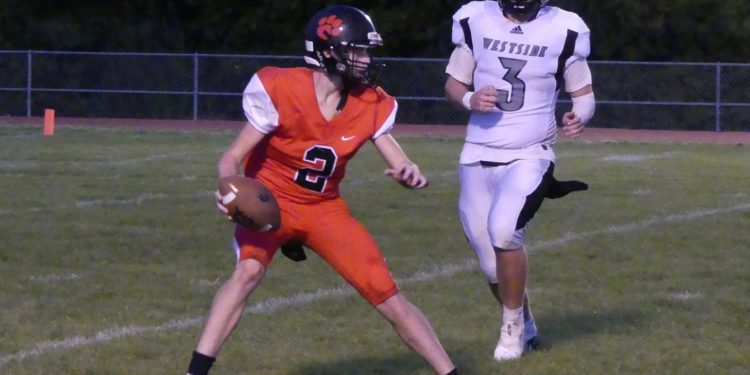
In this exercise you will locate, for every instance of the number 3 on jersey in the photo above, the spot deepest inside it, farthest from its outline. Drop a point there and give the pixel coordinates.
(315, 178)
(512, 100)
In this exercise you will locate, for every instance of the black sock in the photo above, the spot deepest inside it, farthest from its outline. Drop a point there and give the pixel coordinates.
(453, 372)
(200, 364)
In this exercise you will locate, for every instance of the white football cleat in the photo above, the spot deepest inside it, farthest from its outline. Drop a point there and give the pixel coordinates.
(511, 343)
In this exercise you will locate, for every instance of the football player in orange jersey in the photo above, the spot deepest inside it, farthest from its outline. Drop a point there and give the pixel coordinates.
(304, 125)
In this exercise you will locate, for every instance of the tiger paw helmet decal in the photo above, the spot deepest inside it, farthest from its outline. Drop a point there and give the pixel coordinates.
(329, 26)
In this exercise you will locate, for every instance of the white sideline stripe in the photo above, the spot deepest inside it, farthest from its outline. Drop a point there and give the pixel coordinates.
(275, 304)
(82, 204)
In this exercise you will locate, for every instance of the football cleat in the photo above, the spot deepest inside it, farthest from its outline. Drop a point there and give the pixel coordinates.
(511, 343)
(530, 337)
(532, 344)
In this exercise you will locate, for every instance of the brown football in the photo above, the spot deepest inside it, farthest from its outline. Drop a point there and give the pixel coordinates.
(250, 204)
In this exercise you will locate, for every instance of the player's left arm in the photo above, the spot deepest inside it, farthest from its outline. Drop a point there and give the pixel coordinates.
(400, 168)
(578, 85)
(577, 77)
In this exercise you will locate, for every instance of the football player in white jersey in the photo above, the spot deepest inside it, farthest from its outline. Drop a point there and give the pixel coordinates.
(518, 54)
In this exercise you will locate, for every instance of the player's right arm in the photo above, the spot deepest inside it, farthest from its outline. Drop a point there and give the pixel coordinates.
(230, 161)
(460, 70)
(460, 95)
(262, 120)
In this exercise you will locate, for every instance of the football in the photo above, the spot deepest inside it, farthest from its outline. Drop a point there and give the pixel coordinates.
(249, 203)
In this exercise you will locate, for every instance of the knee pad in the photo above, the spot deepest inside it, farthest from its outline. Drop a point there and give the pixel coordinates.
(505, 237)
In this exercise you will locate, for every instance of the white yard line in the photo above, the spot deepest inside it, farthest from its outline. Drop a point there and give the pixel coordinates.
(280, 303)
(10, 165)
(685, 296)
(82, 204)
(55, 278)
(267, 306)
(641, 157)
(621, 228)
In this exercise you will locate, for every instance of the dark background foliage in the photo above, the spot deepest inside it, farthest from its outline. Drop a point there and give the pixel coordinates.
(655, 30)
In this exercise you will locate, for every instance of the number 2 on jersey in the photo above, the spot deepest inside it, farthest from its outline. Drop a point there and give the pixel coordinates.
(512, 100)
(314, 178)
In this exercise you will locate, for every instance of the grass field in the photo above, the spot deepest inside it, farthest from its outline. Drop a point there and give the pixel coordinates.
(111, 250)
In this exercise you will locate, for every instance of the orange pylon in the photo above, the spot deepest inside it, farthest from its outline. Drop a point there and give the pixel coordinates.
(49, 121)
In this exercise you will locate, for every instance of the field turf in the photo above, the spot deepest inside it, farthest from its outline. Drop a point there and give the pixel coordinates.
(111, 250)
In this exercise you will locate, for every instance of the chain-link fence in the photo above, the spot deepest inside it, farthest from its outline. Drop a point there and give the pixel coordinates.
(638, 95)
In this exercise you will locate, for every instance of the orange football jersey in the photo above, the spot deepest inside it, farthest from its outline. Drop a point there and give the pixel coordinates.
(304, 157)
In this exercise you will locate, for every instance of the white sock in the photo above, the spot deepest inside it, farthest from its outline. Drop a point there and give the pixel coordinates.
(514, 316)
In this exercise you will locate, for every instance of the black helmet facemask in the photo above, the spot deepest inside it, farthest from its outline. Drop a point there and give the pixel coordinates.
(353, 71)
(521, 9)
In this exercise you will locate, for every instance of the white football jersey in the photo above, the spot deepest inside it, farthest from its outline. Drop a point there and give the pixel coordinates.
(525, 63)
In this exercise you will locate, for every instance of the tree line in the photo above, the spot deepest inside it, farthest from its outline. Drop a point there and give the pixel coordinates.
(655, 30)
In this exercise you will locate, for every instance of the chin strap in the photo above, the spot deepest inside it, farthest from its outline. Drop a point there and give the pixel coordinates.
(344, 97)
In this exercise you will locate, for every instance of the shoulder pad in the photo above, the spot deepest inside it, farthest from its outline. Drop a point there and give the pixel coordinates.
(469, 9)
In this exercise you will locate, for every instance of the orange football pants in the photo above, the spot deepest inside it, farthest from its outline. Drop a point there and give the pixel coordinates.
(329, 229)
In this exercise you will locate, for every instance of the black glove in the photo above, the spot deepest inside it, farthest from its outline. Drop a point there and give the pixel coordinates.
(559, 189)
(294, 251)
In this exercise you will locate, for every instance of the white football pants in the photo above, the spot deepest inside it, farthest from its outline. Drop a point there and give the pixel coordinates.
(497, 203)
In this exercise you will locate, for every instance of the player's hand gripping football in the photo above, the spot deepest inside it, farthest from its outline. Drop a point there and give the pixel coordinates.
(220, 204)
(484, 99)
(572, 125)
(408, 175)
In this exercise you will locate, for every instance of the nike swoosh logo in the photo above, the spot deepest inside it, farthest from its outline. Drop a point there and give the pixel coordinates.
(343, 138)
